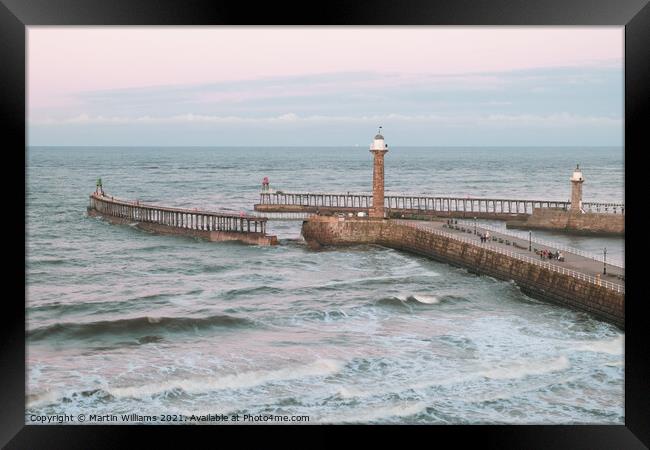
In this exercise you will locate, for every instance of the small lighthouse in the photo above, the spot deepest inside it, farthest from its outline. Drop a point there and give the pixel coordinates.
(378, 148)
(576, 189)
(99, 189)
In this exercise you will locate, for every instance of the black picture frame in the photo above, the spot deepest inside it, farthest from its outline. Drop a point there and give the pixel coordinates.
(16, 15)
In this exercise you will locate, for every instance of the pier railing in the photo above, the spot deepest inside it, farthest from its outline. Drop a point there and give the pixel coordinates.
(536, 240)
(193, 219)
(286, 216)
(604, 208)
(579, 275)
(427, 203)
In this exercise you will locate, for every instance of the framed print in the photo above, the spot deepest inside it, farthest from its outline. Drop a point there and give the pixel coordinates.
(346, 216)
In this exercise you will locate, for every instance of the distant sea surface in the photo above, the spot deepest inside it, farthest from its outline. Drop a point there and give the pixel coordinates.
(120, 321)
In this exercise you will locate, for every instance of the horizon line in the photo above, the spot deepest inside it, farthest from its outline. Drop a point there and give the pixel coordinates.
(330, 146)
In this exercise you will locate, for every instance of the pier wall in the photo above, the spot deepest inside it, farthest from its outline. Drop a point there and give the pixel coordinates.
(532, 279)
(214, 236)
(572, 222)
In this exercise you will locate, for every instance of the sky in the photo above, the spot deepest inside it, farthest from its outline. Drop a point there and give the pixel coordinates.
(329, 86)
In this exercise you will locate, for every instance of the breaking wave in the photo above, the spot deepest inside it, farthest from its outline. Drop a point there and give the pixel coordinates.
(610, 346)
(416, 299)
(146, 324)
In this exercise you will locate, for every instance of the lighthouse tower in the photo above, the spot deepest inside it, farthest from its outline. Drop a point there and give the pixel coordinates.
(378, 148)
(576, 189)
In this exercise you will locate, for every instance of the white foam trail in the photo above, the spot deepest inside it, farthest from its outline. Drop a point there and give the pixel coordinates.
(514, 392)
(514, 371)
(350, 392)
(387, 277)
(403, 409)
(43, 399)
(521, 370)
(615, 364)
(253, 378)
(610, 346)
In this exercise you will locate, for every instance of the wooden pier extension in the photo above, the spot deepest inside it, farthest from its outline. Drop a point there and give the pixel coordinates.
(411, 206)
(212, 226)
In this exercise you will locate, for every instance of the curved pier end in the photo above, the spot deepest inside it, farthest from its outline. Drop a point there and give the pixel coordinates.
(573, 222)
(205, 225)
(544, 280)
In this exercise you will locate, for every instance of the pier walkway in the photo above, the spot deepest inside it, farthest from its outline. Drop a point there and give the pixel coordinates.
(576, 265)
(408, 204)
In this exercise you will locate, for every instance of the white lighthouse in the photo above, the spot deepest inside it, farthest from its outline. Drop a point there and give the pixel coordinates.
(378, 143)
(576, 189)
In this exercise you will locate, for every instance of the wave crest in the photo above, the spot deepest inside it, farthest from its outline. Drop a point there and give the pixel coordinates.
(144, 324)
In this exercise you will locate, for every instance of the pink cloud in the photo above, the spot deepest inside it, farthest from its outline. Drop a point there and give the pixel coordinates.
(65, 60)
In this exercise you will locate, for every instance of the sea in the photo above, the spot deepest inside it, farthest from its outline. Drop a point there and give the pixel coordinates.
(125, 326)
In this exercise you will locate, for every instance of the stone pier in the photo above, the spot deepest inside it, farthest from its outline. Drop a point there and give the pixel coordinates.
(578, 219)
(576, 287)
(516, 211)
(571, 222)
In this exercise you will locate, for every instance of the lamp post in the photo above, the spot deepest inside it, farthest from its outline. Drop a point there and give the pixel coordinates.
(530, 241)
(475, 225)
(605, 261)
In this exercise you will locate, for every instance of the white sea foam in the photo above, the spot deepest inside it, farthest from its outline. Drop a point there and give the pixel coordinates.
(513, 371)
(523, 369)
(320, 367)
(382, 278)
(351, 392)
(428, 299)
(43, 398)
(502, 395)
(421, 298)
(610, 346)
(403, 409)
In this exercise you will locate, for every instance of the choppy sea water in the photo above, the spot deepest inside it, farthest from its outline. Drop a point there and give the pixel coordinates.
(121, 321)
